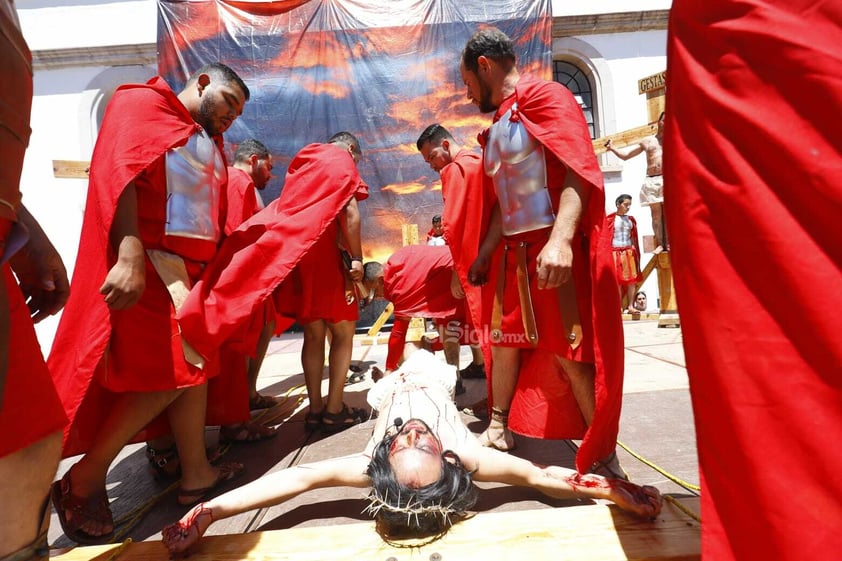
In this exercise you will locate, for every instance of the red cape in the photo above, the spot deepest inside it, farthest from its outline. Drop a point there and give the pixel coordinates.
(241, 200)
(543, 405)
(147, 120)
(467, 210)
(752, 202)
(416, 280)
(259, 255)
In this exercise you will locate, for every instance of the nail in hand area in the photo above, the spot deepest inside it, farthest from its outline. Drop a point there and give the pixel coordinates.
(178, 537)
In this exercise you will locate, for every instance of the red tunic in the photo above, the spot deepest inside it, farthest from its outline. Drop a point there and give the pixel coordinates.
(242, 204)
(142, 344)
(241, 199)
(416, 280)
(543, 405)
(627, 259)
(752, 196)
(467, 209)
(260, 255)
(30, 409)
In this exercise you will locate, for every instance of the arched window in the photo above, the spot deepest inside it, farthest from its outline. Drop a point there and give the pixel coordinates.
(574, 79)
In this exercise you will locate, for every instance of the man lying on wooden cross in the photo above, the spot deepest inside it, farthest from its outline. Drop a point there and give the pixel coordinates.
(420, 463)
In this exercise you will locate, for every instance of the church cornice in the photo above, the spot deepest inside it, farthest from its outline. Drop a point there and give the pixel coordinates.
(620, 22)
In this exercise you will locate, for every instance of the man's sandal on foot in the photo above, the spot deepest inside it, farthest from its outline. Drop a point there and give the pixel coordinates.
(245, 432)
(346, 418)
(473, 370)
(260, 401)
(312, 421)
(505, 441)
(227, 472)
(164, 464)
(610, 467)
(82, 510)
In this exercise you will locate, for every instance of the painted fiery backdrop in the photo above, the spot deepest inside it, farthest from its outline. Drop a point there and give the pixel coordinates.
(381, 69)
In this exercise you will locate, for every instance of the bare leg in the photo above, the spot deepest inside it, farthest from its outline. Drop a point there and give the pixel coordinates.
(451, 346)
(581, 375)
(341, 348)
(313, 362)
(187, 419)
(25, 478)
(504, 373)
(630, 290)
(658, 226)
(255, 363)
(129, 413)
(476, 355)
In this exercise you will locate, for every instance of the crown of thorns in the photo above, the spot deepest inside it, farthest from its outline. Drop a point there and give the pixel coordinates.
(413, 508)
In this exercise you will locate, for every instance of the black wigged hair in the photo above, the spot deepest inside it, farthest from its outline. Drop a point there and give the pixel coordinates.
(402, 511)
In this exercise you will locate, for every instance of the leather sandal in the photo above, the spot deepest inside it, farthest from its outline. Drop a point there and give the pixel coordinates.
(312, 421)
(164, 464)
(346, 418)
(227, 472)
(83, 509)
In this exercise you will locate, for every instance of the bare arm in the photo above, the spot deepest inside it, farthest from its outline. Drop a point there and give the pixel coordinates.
(627, 155)
(126, 280)
(563, 483)
(268, 490)
(40, 271)
(478, 273)
(350, 225)
(555, 262)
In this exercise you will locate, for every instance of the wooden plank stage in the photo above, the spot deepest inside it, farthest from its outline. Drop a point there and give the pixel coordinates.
(589, 532)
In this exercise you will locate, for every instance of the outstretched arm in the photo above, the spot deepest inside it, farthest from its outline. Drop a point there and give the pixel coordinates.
(268, 490)
(563, 483)
(624, 155)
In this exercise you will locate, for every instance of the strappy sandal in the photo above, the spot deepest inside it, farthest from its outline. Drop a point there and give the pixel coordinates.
(261, 401)
(346, 418)
(83, 509)
(246, 432)
(473, 371)
(227, 472)
(610, 467)
(312, 421)
(164, 464)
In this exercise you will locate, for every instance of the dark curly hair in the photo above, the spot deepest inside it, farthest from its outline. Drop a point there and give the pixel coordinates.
(491, 43)
(428, 511)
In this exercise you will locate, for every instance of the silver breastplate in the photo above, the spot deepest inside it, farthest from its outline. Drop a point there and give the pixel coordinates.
(515, 161)
(195, 176)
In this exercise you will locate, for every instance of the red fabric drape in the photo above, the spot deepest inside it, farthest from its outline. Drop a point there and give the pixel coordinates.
(752, 200)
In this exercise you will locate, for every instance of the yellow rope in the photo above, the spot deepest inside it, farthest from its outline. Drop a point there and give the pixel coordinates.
(674, 479)
(682, 508)
(671, 477)
(117, 551)
(128, 521)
